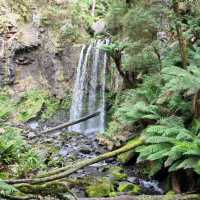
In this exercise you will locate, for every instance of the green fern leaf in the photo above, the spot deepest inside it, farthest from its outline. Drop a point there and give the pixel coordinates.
(173, 167)
(158, 155)
(188, 164)
(159, 139)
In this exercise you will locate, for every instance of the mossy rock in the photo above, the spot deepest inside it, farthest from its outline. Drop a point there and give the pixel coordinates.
(129, 188)
(117, 174)
(67, 135)
(101, 188)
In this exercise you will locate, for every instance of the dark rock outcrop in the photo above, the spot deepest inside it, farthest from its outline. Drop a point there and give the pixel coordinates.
(28, 59)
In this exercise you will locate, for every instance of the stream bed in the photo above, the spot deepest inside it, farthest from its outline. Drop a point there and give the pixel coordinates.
(62, 147)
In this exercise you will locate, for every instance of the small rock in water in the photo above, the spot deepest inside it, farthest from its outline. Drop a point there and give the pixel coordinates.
(132, 179)
(55, 135)
(33, 124)
(151, 187)
(31, 135)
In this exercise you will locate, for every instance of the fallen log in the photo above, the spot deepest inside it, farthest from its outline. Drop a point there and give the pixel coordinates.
(67, 124)
(148, 197)
(10, 197)
(52, 189)
(79, 165)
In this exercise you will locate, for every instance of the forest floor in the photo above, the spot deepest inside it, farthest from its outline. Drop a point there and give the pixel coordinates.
(62, 147)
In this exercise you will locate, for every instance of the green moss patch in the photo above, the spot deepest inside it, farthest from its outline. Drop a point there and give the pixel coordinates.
(129, 187)
(101, 188)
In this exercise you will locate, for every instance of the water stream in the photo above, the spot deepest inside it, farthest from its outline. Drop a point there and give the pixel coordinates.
(89, 88)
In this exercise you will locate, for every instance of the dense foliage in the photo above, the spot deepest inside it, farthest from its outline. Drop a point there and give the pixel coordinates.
(164, 102)
(155, 49)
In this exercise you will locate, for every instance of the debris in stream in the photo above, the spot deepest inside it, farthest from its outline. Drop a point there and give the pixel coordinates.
(73, 146)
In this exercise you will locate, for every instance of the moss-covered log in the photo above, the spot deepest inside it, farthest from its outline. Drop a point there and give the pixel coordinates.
(67, 124)
(148, 197)
(53, 189)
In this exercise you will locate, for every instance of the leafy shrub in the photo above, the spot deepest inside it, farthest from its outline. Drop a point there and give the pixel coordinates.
(171, 144)
(29, 161)
(30, 105)
(11, 145)
(14, 151)
(6, 105)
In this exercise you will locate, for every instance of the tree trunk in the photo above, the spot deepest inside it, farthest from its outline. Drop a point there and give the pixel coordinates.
(93, 7)
(196, 105)
(183, 47)
(127, 81)
(182, 40)
(67, 124)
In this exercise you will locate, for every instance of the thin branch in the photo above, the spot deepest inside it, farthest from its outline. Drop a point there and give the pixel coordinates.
(67, 124)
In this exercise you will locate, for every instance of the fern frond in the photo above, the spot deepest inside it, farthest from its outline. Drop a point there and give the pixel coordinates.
(159, 139)
(156, 167)
(181, 79)
(173, 167)
(6, 189)
(156, 130)
(158, 155)
(172, 121)
(185, 135)
(150, 149)
(193, 151)
(187, 164)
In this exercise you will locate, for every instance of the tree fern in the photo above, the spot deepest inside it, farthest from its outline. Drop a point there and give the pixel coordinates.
(182, 79)
(158, 155)
(178, 146)
(133, 113)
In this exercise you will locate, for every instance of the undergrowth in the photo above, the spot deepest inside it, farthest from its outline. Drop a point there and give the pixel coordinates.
(163, 104)
(32, 104)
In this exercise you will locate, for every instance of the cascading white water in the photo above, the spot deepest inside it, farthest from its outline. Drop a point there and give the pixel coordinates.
(89, 88)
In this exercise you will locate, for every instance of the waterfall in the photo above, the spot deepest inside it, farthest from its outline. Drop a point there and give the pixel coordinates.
(89, 88)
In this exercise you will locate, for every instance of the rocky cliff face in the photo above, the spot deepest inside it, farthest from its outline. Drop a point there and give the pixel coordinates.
(29, 60)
